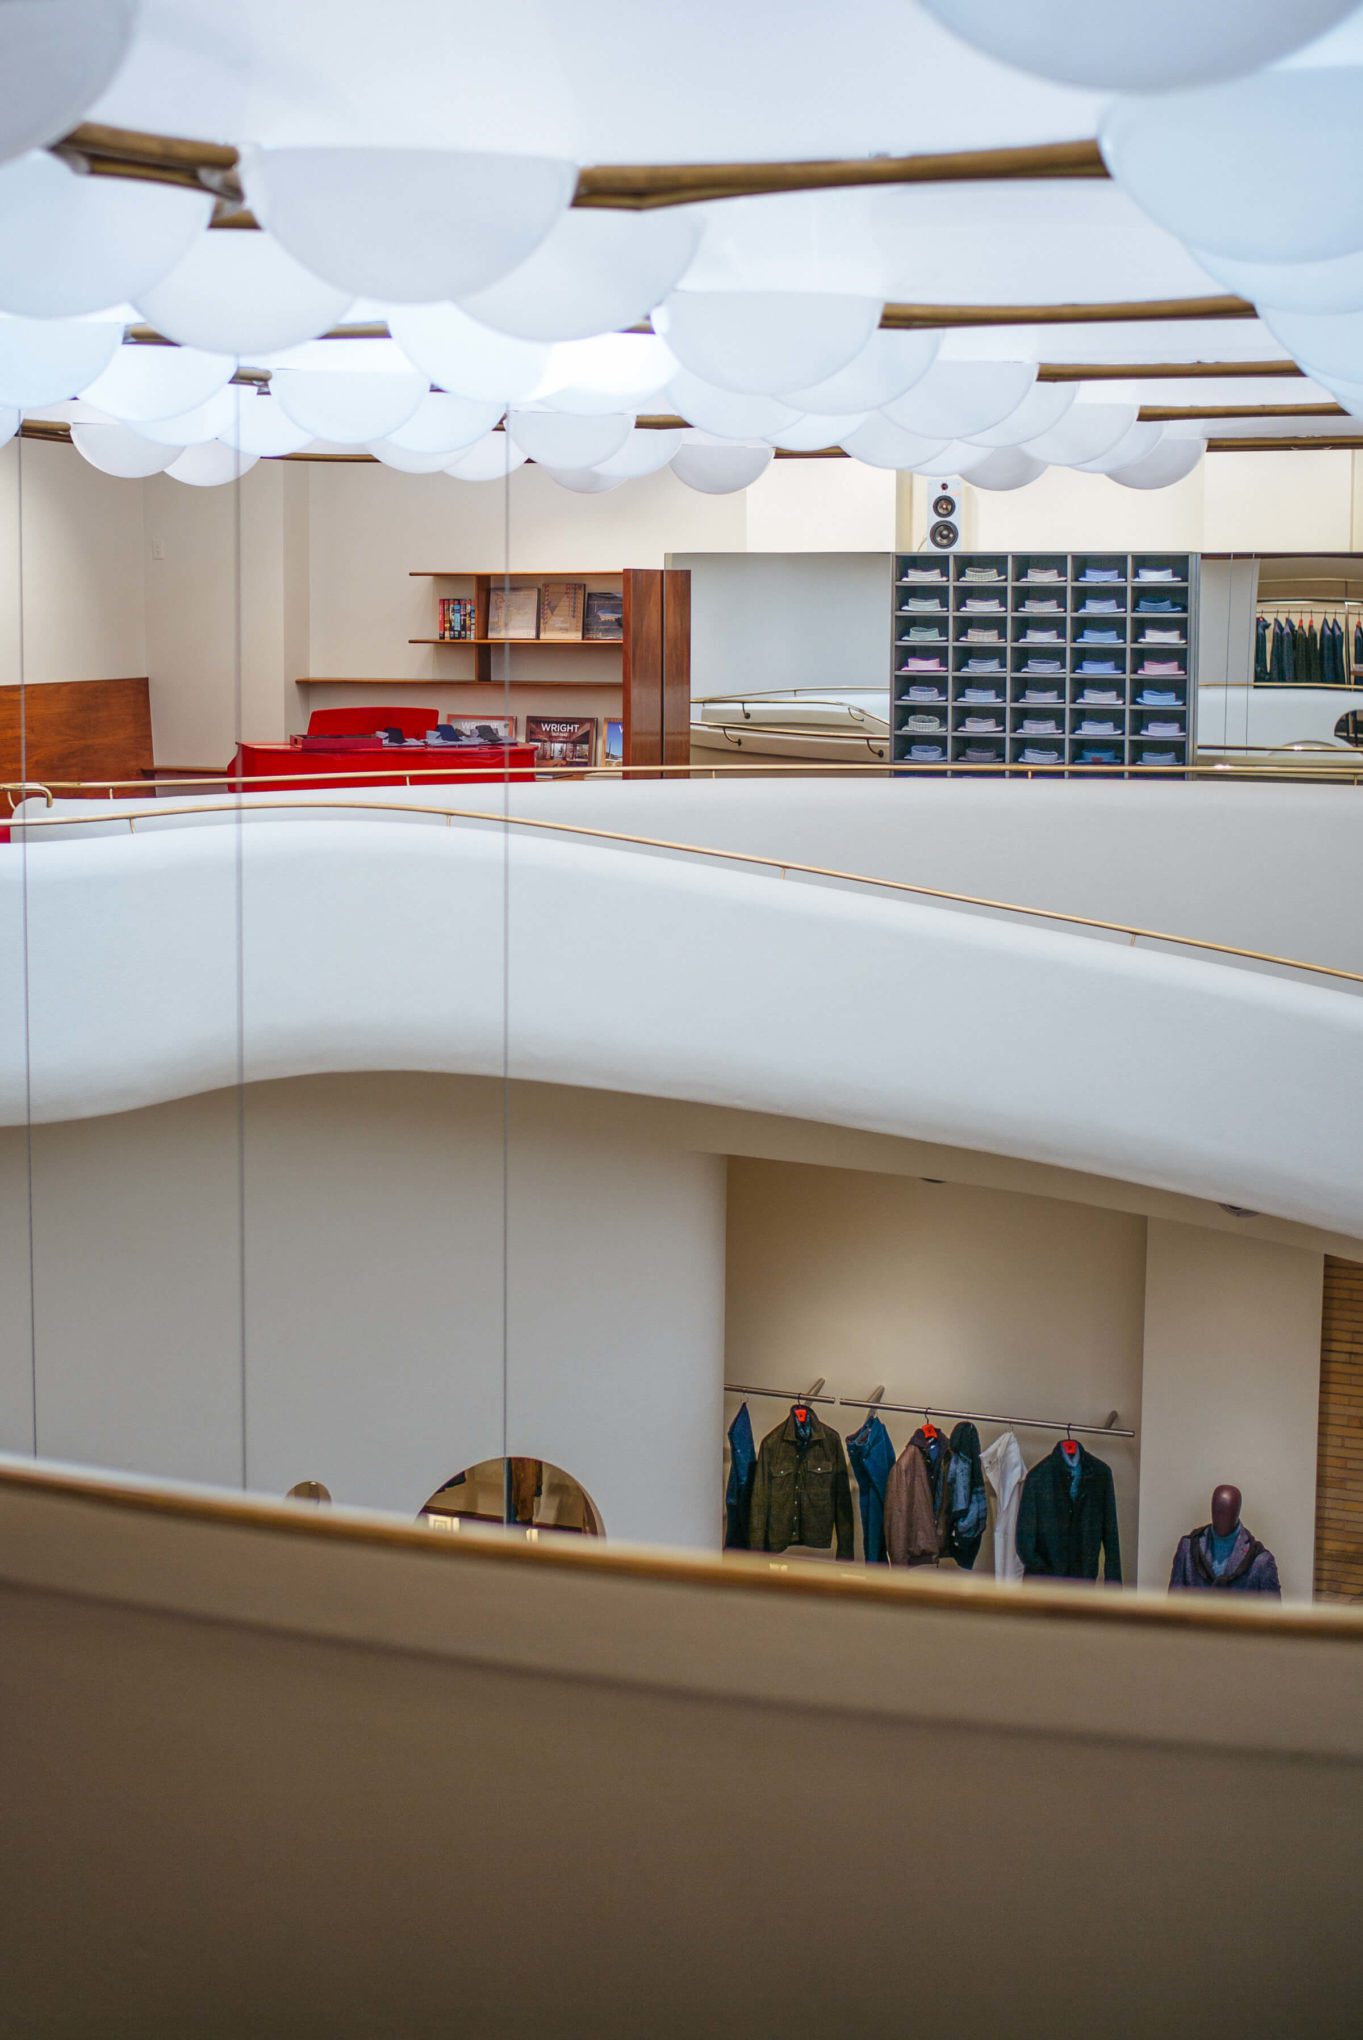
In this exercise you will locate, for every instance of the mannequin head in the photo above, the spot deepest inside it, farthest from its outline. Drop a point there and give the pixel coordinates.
(1225, 1510)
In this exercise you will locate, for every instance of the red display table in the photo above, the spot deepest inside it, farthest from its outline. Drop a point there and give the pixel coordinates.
(350, 764)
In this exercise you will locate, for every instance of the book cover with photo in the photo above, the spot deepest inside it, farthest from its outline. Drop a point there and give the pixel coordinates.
(489, 729)
(605, 617)
(562, 740)
(561, 609)
(613, 743)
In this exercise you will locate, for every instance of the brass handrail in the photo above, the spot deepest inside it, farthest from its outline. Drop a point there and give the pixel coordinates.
(164, 811)
(739, 1572)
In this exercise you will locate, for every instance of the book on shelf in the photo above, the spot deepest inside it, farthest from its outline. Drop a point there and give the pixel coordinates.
(562, 740)
(613, 741)
(457, 621)
(561, 609)
(604, 622)
(513, 612)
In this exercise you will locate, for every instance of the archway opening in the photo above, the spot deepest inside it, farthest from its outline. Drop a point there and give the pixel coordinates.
(530, 1495)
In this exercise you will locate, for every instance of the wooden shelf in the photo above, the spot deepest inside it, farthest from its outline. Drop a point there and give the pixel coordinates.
(557, 644)
(321, 680)
(499, 574)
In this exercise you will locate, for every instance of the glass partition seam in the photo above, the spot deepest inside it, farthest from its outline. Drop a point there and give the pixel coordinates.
(24, 959)
(239, 876)
(507, 1500)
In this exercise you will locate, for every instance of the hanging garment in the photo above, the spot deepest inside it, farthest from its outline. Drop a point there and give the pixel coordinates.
(872, 1456)
(1276, 655)
(967, 1502)
(801, 1493)
(1260, 649)
(527, 1485)
(1247, 1567)
(1335, 675)
(1005, 1470)
(738, 1494)
(1358, 647)
(916, 1501)
(1060, 1534)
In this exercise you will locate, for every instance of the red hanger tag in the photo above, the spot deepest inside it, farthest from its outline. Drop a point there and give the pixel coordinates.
(1068, 1447)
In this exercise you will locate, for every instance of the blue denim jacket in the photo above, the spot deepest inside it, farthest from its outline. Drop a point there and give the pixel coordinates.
(872, 1456)
(738, 1494)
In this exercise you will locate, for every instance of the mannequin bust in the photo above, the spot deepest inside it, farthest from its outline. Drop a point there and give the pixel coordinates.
(1223, 1554)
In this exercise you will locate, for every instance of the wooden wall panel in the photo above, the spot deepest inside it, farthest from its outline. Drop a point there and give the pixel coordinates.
(643, 665)
(75, 729)
(676, 734)
(1339, 1478)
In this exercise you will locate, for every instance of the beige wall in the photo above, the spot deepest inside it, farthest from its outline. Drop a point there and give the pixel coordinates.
(1269, 502)
(1232, 1393)
(976, 1299)
(75, 536)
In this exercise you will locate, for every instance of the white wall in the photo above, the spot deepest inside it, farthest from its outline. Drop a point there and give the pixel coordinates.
(974, 1299)
(1231, 1393)
(368, 1302)
(74, 535)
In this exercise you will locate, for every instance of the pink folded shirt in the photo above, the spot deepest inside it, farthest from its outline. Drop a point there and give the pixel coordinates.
(1153, 666)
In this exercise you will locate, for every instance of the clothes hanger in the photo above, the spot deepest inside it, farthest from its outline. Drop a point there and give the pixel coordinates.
(929, 1428)
(1068, 1445)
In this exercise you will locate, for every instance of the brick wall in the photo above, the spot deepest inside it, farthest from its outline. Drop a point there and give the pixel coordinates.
(1339, 1480)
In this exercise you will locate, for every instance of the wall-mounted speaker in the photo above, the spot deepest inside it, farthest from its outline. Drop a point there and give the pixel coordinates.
(944, 533)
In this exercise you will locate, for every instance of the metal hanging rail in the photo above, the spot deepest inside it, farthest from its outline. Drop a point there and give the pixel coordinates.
(790, 1395)
(1111, 1429)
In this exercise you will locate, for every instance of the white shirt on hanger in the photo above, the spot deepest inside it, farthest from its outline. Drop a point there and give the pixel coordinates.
(1005, 1470)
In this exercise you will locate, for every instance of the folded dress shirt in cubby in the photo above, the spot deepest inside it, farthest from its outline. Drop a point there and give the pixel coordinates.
(1041, 694)
(1158, 605)
(917, 603)
(923, 722)
(932, 573)
(927, 754)
(1149, 757)
(1042, 605)
(923, 664)
(1097, 666)
(982, 754)
(1100, 695)
(920, 691)
(978, 573)
(1091, 574)
(1092, 635)
(1156, 574)
(1042, 666)
(981, 722)
(1039, 754)
(1039, 726)
(979, 665)
(1158, 697)
(923, 634)
(975, 605)
(1035, 635)
(1097, 754)
(1042, 574)
(1156, 727)
(980, 694)
(1099, 726)
(979, 634)
(1165, 667)
(1152, 636)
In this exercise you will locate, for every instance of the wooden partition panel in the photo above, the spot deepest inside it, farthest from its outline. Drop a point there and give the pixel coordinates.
(75, 729)
(1339, 1478)
(643, 665)
(677, 666)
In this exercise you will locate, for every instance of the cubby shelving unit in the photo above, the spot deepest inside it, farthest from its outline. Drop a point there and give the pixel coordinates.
(1044, 660)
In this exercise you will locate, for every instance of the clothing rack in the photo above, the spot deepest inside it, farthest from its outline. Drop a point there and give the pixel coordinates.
(1110, 1429)
(790, 1395)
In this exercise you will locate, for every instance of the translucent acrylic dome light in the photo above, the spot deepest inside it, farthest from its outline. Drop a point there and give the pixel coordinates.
(1143, 438)
(613, 372)
(958, 398)
(404, 460)
(242, 294)
(489, 459)
(56, 57)
(720, 470)
(765, 342)
(1327, 344)
(468, 359)
(586, 481)
(145, 382)
(816, 430)
(644, 453)
(213, 420)
(1335, 285)
(559, 439)
(1147, 47)
(350, 408)
(1171, 460)
(43, 361)
(595, 272)
(70, 243)
(118, 450)
(1084, 433)
(260, 425)
(412, 225)
(884, 445)
(1269, 169)
(210, 466)
(887, 366)
(1044, 405)
(1006, 467)
(444, 424)
(725, 412)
